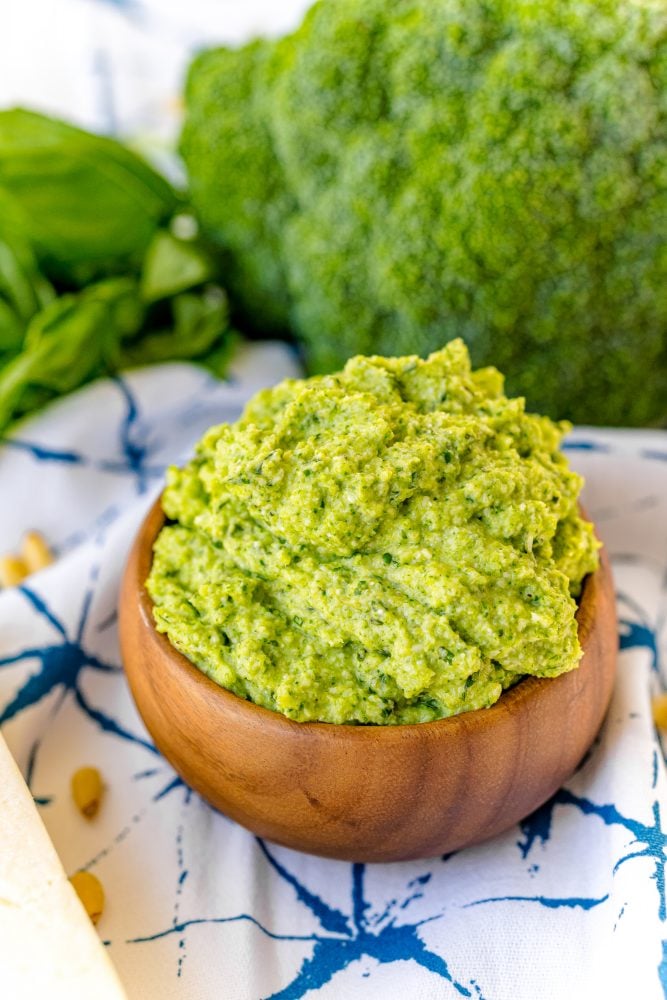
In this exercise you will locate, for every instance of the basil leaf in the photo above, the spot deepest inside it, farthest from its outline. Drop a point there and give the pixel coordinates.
(89, 205)
(173, 265)
(12, 329)
(21, 284)
(196, 324)
(69, 342)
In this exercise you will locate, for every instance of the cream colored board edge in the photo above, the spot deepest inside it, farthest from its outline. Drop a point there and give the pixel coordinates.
(48, 945)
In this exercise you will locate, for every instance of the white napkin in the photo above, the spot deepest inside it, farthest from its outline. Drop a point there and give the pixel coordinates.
(571, 904)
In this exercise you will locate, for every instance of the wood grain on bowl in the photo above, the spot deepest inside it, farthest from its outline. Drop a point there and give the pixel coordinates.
(368, 793)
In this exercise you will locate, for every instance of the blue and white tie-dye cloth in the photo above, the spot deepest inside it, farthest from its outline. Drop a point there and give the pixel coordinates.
(570, 904)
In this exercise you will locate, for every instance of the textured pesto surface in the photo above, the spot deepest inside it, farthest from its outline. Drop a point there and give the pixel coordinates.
(395, 543)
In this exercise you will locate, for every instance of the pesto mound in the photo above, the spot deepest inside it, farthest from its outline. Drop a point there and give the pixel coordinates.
(395, 543)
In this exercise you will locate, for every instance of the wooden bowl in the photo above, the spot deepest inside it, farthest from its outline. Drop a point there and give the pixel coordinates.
(367, 793)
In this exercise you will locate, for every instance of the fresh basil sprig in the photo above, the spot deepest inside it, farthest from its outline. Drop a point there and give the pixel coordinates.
(93, 274)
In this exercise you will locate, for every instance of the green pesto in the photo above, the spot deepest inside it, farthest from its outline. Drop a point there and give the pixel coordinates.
(395, 543)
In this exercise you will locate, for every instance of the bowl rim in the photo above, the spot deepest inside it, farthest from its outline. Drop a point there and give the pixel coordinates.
(510, 702)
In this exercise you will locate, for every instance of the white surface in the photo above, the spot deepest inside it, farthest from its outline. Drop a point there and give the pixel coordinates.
(118, 65)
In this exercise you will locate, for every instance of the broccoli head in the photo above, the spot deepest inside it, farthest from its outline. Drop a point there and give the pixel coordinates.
(402, 171)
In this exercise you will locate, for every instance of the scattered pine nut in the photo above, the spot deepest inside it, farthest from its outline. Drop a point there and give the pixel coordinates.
(89, 890)
(35, 555)
(12, 571)
(659, 708)
(35, 551)
(87, 791)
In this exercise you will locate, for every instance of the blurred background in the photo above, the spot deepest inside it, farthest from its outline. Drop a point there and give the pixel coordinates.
(379, 180)
(117, 66)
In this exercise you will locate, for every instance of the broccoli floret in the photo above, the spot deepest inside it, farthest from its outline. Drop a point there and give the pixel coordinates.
(245, 215)
(400, 171)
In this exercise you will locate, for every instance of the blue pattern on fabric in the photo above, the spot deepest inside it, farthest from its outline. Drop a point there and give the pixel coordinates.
(59, 669)
(350, 936)
(582, 445)
(662, 969)
(362, 933)
(135, 446)
(651, 839)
